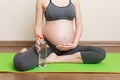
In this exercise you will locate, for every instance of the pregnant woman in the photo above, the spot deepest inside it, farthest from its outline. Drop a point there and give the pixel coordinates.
(61, 36)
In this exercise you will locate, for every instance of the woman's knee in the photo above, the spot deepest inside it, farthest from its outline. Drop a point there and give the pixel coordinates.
(100, 54)
(93, 55)
(23, 64)
(19, 62)
(26, 60)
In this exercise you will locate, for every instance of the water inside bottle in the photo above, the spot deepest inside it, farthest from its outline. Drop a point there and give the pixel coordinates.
(42, 57)
(42, 61)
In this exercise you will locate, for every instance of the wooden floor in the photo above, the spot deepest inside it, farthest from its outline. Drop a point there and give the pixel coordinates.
(57, 76)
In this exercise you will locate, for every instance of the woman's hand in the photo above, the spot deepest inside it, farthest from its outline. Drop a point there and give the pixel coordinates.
(66, 47)
(37, 46)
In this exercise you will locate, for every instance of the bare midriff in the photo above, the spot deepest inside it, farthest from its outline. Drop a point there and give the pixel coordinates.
(59, 32)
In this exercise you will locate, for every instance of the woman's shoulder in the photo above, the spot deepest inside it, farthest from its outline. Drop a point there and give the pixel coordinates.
(75, 1)
(44, 2)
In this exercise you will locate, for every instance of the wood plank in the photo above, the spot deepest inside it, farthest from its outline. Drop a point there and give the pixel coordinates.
(59, 76)
(16, 43)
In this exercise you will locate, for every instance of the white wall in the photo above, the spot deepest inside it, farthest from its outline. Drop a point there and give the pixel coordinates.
(101, 20)
(17, 19)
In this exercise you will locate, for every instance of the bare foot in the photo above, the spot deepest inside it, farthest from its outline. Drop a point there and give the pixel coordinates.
(51, 58)
(23, 50)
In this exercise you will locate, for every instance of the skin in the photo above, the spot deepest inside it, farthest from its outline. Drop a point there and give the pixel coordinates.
(64, 36)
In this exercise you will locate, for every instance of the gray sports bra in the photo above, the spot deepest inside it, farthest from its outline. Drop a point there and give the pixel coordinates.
(54, 12)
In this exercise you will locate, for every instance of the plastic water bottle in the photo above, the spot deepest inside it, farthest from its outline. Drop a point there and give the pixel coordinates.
(42, 55)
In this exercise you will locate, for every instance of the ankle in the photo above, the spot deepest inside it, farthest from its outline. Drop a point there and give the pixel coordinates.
(57, 59)
(23, 50)
(52, 58)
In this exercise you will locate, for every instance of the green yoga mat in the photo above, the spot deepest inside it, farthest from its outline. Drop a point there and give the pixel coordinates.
(110, 64)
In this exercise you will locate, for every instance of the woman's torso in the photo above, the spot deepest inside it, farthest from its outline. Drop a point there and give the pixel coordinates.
(59, 31)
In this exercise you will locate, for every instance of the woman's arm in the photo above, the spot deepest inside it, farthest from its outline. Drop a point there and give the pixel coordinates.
(38, 23)
(78, 23)
(39, 18)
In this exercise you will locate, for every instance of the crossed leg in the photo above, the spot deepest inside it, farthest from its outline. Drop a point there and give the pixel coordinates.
(75, 57)
(53, 58)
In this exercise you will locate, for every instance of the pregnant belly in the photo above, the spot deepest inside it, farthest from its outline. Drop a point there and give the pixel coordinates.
(59, 34)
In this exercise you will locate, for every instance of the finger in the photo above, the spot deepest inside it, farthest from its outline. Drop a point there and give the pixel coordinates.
(47, 45)
(68, 44)
(58, 46)
(37, 42)
(64, 48)
(67, 48)
(38, 48)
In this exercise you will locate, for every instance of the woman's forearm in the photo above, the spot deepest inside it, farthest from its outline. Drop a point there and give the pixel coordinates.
(39, 18)
(38, 31)
(78, 33)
